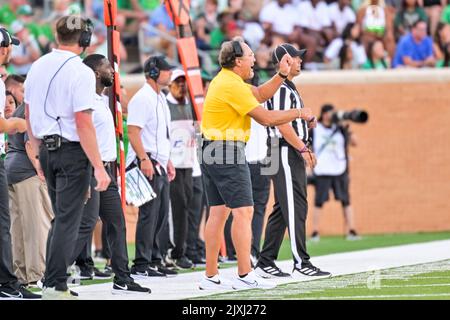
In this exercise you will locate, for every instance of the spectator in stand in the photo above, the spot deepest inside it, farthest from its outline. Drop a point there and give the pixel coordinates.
(341, 14)
(350, 36)
(253, 31)
(23, 55)
(205, 23)
(377, 57)
(445, 63)
(3, 73)
(409, 13)
(280, 21)
(441, 40)
(217, 35)
(346, 60)
(314, 20)
(10, 104)
(161, 20)
(8, 12)
(41, 30)
(376, 22)
(415, 49)
(434, 9)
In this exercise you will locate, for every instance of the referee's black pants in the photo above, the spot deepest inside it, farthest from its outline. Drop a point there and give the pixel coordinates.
(108, 206)
(181, 190)
(68, 173)
(290, 209)
(151, 222)
(7, 277)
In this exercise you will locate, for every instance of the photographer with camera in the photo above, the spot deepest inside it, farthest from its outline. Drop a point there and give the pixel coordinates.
(330, 141)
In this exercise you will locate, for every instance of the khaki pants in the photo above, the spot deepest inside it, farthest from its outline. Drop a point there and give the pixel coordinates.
(31, 216)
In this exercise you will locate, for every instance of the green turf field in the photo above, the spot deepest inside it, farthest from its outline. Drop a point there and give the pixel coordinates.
(418, 282)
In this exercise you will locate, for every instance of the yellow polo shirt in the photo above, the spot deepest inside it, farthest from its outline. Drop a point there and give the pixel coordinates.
(227, 103)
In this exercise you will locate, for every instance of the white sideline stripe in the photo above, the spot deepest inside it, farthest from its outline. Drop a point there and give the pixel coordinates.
(290, 200)
(185, 286)
(381, 296)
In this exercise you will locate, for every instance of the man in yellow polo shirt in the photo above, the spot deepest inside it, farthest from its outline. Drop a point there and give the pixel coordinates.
(229, 105)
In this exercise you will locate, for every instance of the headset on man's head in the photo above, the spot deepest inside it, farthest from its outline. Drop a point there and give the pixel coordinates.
(236, 53)
(151, 69)
(86, 35)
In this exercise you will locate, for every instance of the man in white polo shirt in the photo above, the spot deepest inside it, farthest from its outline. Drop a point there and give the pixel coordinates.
(149, 134)
(107, 204)
(9, 285)
(59, 97)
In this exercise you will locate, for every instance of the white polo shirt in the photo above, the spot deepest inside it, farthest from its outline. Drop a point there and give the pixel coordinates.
(150, 112)
(314, 18)
(256, 148)
(72, 90)
(104, 127)
(283, 19)
(341, 18)
(2, 114)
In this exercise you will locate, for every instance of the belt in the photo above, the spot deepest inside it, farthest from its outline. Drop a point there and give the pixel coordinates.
(236, 143)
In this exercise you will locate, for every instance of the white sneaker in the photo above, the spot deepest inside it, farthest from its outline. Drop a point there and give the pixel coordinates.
(215, 283)
(52, 294)
(252, 281)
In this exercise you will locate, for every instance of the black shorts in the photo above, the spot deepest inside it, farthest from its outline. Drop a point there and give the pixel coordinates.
(226, 174)
(339, 184)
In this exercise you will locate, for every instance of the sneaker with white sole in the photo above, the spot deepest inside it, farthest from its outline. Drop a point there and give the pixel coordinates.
(215, 283)
(129, 288)
(252, 281)
(272, 271)
(53, 294)
(309, 272)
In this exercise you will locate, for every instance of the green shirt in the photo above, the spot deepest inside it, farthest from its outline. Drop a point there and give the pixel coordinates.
(147, 5)
(216, 38)
(445, 17)
(7, 16)
(378, 65)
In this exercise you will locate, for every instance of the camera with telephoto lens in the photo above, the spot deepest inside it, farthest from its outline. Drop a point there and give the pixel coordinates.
(356, 115)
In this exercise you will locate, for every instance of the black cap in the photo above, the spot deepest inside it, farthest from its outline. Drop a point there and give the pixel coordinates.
(284, 48)
(6, 39)
(159, 62)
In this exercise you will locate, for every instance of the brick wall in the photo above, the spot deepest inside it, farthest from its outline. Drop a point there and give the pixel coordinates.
(400, 171)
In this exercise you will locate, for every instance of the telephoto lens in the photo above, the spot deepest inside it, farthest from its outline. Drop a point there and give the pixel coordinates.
(356, 115)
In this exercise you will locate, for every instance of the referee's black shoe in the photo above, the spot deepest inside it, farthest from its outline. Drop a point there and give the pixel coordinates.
(309, 271)
(270, 271)
(9, 292)
(129, 288)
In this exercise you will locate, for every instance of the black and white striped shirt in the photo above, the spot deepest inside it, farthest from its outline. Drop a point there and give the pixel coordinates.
(287, 97)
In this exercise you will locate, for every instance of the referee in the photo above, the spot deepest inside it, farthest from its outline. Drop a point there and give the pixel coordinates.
(9, 284)
(229, 105)
(59, 97)
(289, 148)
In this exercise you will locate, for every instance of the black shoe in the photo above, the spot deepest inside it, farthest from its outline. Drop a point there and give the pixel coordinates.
(108, 270)
(168, 272)
(101, 275)
(271, 271)
(86, 272)
(147, 273)
(315, 236)
(309, 271)
(353, 235)
(130, 287)
(8, 292)
(198, 261)
(183, 263)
